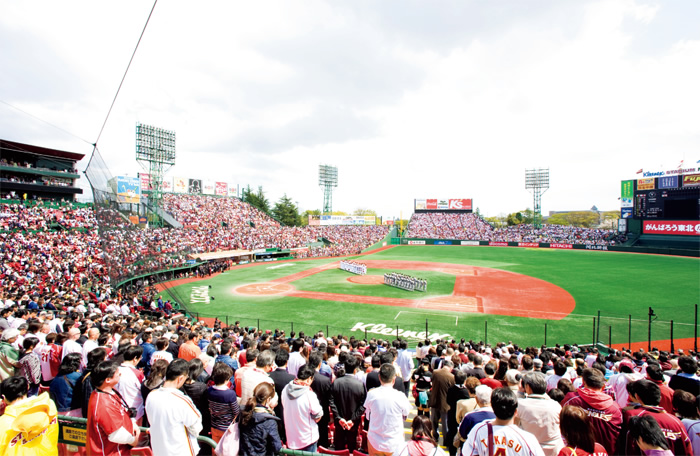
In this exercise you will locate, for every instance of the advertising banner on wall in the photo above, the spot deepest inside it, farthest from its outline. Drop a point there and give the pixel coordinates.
(233, 191)
(128, 190)
(645, 184)
(194, 186)
(179, 185)
(691, 180)
(167, 185)
(454, 204)
(208, 187)
(626, 212)
(677, 227)
(327, 220)
(145, 179)
(668, 182)
(627, 193)
(221, 188)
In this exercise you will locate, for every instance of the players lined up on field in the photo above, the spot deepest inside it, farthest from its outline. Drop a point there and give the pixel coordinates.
(354, 267)
(405, 282)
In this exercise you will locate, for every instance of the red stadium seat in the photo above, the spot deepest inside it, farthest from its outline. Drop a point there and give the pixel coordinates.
(323, 450)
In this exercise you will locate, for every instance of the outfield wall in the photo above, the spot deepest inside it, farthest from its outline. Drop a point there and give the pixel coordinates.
(548, 245)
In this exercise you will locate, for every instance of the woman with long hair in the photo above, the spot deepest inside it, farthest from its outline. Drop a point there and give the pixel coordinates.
(422, 442)
(61, 388)
(577, 431)
(423, 381)
(647, 434)
(196, 388)
(258, 425)
(154, 381)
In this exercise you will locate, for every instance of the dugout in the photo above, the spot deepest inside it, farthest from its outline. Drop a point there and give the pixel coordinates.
(237, 256)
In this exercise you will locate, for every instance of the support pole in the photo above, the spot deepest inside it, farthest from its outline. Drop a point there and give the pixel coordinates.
(609, 336)
(695, 343)
(672, 348)
(594, 331)
(426, 328)
(597, 333)
(486, 331)
(397, 331)
(649, 333)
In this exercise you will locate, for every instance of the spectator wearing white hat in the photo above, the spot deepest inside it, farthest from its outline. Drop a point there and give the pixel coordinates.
(9, 355)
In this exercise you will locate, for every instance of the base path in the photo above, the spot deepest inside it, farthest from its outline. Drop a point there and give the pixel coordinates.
(476, 290)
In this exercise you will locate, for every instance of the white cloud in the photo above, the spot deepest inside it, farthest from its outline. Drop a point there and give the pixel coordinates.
(408, 99)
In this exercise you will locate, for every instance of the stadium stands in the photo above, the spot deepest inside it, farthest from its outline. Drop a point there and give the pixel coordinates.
(437, 225)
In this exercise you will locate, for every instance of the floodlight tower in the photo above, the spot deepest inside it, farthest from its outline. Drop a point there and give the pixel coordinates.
(155, 149)
(327, 178)
(537, 181)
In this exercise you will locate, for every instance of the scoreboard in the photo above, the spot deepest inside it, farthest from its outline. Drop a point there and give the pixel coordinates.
(675, 197)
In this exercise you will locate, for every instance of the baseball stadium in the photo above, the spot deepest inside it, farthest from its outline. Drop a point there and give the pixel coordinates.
(183, 252)
(152, 304)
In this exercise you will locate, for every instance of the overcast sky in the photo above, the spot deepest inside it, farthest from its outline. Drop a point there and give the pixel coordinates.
(409, 99)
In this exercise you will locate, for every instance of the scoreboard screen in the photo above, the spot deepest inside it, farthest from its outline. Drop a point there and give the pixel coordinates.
(659, 203)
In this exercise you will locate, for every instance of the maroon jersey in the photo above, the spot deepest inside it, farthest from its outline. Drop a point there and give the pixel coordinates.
(674, 431)
(605, 414)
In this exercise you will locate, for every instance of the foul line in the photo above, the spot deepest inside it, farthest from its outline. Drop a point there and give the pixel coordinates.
(427, 313)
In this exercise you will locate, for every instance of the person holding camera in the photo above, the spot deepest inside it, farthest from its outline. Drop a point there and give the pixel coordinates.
(111, 428)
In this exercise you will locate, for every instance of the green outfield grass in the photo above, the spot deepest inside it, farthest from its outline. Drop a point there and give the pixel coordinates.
(616, 284)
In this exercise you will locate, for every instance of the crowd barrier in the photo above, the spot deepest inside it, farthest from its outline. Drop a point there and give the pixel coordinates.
(73, 431)
(549, 245)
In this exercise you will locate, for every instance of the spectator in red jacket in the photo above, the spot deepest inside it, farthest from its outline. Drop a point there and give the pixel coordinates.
(648, 394)
(605, 414)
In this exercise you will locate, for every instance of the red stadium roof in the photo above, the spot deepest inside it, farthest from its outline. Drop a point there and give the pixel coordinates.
(28, 148)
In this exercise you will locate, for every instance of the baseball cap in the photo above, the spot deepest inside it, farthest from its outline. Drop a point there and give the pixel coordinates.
(10, 334)
(628, 363)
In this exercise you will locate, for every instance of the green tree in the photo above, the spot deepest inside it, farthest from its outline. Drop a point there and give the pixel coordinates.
(256, 199)
(583, 219)
(304, 217)
(361, 211)
(339, 213)
(286, 212)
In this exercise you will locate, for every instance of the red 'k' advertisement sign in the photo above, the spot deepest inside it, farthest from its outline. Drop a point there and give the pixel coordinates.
(677, 227)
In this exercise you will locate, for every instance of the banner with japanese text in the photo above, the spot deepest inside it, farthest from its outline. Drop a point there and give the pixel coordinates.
(684, 228)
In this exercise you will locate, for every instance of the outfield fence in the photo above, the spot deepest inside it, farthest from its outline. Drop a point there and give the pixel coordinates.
(629, 331)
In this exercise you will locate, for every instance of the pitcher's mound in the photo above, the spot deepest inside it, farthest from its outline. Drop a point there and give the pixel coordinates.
(366, 279)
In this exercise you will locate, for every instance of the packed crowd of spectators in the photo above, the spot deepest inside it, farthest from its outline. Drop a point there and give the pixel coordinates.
(126, 250)
(42, 180)
(185, 379)
(472, 227)
(444, 225)
(26, 164)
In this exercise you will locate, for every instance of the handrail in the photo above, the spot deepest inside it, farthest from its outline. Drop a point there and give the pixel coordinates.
(81, 423)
